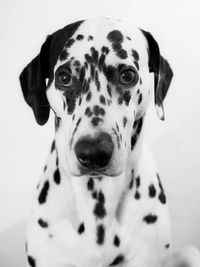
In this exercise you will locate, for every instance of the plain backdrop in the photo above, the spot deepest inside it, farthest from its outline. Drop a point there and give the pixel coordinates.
(24, 145)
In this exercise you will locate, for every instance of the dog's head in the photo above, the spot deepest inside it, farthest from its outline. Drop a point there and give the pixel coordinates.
(96, 75)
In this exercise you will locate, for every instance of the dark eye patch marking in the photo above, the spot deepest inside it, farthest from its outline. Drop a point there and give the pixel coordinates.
(42, 223)
(119, 259)
(150, 218)
(100, 234)
(161, 196)
(152, 190)
(116, 38)
(43, 193)
(56, 176)
(138, 127)
(116, 241)
(81, 228)
(31, 261)
(79, 37)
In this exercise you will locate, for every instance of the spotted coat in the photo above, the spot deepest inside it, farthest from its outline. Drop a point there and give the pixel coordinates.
(99, 78)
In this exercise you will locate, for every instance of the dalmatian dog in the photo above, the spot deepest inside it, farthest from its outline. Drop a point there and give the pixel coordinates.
(100, 201)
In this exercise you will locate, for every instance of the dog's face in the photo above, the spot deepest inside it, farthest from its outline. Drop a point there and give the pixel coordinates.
(100, 83)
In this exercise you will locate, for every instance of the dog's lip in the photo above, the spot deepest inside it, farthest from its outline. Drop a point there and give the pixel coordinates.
(97, 173)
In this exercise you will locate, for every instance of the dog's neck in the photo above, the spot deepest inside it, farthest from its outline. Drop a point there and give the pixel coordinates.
(98, 199)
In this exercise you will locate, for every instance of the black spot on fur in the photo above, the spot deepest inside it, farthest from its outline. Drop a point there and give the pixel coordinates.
(137, 180)
(70, 43)
(140, 81)
(139, 99)
(44, 192)
(152, 191)
(95, 55)
(137, 65)
(100, 234)
(115, 36)
(56, 176)
(45, 167)
(105, 50)
(102, 99)
(79, 37)
(89, 95)
(150, 218)
(31, 261)
(42, 223)
(95, 121)
(124, 121)
(110, 73)
(129, 38)
(161, 196)
(109, 90)
(119, 259)
(53, 146)
(116, 241)
(97, 82)
(99, 209)
(137, 195)
(167, 245)
(94, 194)
(58, 120)
(64, 55)
(101, 62)
(135, 55)
(80, 101)
(138, 127)
(88, 112)
(90, 38)
(90, 184)
(81, 228)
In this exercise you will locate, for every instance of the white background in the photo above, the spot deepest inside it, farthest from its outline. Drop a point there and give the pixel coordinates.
(24, 145)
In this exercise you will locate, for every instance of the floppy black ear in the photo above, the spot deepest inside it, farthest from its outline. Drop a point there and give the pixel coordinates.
(33, 83)
(162, 73)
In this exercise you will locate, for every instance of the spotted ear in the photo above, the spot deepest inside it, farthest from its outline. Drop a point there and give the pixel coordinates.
(33, 83)
(162, 73)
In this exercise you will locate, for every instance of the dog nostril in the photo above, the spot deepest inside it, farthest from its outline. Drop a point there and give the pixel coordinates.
(94, 152)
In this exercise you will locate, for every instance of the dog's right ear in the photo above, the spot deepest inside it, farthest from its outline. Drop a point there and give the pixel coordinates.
(33, 83)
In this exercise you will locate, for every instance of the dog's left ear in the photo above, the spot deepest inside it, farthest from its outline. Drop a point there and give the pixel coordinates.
(33, 83)
(162, 73)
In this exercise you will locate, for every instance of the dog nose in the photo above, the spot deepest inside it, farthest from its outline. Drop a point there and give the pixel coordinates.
(94, 152)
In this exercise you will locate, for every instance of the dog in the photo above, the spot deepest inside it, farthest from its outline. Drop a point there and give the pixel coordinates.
(100, 200)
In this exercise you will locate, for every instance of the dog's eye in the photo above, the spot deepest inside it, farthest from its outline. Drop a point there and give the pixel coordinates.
(64, 78)
(129, 77)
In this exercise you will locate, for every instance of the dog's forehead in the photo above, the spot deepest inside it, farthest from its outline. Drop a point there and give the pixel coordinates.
(122, 40)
